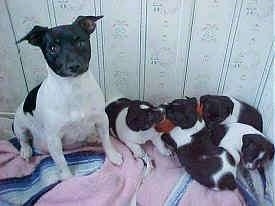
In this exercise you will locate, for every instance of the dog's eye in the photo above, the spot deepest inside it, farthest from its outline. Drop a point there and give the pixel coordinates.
(53, 49)
(80, 44)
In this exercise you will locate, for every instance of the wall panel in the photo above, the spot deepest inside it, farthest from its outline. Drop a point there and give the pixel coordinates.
(210, 35)
(12, 83)
(250, 50)
(121, 46)
(168, 29)
(23, 20)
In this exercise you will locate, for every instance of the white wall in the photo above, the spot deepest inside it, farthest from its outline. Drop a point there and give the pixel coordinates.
(151, 49)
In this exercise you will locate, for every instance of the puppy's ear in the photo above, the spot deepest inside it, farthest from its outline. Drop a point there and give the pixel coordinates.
(87, 23)
(229, 106)
(193, 100)
(35, 36)
(132, 115)
(270, 150)
(204, 98)
(247, 139)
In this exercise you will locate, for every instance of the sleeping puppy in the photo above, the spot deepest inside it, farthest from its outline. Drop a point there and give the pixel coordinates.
(217, 109)
(133, 122)
(215, 166)
(206, 153)
(224, 109)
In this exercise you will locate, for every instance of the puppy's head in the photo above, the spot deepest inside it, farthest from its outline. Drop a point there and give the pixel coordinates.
(142, 115)
(66, 48)
(256, 151)
(182, 112)
(215, 109)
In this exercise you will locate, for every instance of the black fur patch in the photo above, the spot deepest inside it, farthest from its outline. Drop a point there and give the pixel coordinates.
(182, 112)
(12, 127)
(30, 101)
(230, 159)
(218, 133)
(211, 136)
(215, 109)
(113, 109)
(227, 181)
(251, 116)
(200, 169)
(169, 141)
(138, 119)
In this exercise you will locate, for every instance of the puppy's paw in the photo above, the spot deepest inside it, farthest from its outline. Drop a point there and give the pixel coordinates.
(166, 152)
(65, 174)
(26, 152)
(149, 166)
(116, 158)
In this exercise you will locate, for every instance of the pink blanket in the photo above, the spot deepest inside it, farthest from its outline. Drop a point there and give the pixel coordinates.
(119, 186)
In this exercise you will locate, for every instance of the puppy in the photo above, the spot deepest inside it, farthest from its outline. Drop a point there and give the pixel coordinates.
(217, 109)
(224, 109)
(134, 122)
(216, 166)
(62, 111)
(211, 156)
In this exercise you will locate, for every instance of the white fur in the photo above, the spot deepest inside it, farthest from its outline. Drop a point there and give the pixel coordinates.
(67, 110)
(134, 139)
(143, 106)
(232, 141)
(183, 136)
(226, 168)
(260, 156)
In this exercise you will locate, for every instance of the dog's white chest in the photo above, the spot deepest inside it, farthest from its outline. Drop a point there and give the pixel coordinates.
(70, 109)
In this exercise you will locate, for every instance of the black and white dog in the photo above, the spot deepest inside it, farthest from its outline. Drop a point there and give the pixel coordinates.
(133, 122)
(62, 111)
(211, 156)
(225, 109)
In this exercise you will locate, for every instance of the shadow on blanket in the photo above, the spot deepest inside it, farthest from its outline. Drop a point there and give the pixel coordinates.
(98, 182)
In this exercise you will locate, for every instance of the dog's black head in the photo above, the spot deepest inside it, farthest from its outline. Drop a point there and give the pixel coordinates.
(215, 109)
(142, 115)
(182, 112)
(256, 151)
(66, 48)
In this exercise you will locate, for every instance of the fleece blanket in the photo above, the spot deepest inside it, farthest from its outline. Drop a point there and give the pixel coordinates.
(97, 182)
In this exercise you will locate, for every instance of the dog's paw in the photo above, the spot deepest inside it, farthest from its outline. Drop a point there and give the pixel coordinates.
(26, 152)
(166, 152)
(149, 166)
(65, 174)
(116, 158)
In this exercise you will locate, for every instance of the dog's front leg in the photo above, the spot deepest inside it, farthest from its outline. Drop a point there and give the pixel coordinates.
(56, 152)
(102, 127)
(161, 147)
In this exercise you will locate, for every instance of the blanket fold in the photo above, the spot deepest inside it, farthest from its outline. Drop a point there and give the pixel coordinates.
(98, 182)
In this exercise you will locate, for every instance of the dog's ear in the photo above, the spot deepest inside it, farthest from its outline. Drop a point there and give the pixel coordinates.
(229, 105)
(204, 98)
(35, 36)
(247, 139)
(87, 23)
(132, 115)
(270, 150)
(193, 100)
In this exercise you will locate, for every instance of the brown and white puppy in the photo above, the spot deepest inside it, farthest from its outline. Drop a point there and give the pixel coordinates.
(225, 109)
(211, 155)
(133, 122)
